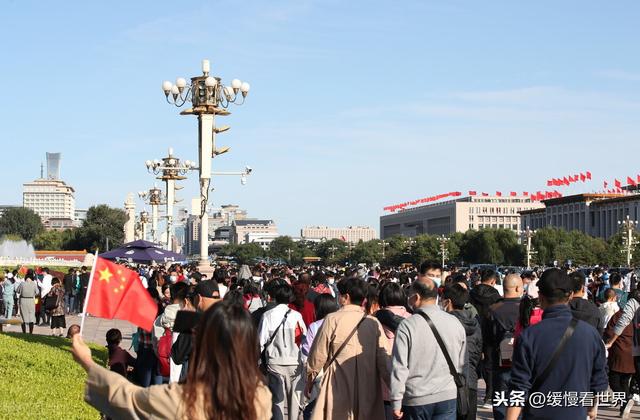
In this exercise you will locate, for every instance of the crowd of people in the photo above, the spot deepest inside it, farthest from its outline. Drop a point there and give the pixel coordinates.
(329, 342)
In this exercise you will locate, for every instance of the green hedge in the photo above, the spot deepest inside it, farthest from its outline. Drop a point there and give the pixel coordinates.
(40, 379)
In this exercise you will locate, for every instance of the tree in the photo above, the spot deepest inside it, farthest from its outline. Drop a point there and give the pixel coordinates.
(54, 239)
(369, 252)
(244, 253)
(21, 221)
(333, 251)
(103, 224)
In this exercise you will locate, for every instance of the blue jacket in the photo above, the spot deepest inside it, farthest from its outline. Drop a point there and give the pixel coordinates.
(582, 366)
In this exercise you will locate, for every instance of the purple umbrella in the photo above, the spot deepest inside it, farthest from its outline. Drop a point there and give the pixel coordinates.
(142, 252)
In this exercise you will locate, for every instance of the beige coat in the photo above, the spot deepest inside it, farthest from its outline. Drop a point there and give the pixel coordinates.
(352, 385)
(115, 396)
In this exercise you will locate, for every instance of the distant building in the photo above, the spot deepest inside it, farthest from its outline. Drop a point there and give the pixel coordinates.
(246, 230)
(50, 198)
(352, 234)
(594, 214)
(80, 215)
(460, 215)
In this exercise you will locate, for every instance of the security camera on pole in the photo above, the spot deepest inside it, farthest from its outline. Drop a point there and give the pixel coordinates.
(171, 170)
(208, 98)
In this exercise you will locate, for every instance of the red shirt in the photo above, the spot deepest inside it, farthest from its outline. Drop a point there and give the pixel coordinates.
(308, 311)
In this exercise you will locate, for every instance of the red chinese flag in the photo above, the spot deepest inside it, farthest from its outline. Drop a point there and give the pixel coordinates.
(549, 182)
(565, 181)
(472, 193)
(513, 194)
(498, 194)
(117, 292)
(588, 175)
(638, 179)
(631, 181)
(618, 184)
(582, 177)
(605, 184)
(485, 194)
(525, 193)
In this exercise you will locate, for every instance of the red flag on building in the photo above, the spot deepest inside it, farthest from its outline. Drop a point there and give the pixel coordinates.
(550, 182)
(472, 193)
(485, 194)
(498, 194)
(588, 175)
(618, 184)
(631, 181)
(513, 193)
(605, 184)
(583, 177)
(565, 181)
(117, 292)
(638, 179)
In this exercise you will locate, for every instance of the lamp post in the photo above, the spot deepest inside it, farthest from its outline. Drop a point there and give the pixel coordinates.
(208, 98)
(528, 234)
(153, 197)
(629, 242)
(443, 248)
(170, 170)
(143, 221)
(383, 244)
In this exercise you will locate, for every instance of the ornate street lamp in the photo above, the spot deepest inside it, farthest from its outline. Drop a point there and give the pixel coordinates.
(153, 197)
(170, 170)
(208, 98)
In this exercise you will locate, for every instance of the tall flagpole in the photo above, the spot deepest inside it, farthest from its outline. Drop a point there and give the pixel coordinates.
(86, 298)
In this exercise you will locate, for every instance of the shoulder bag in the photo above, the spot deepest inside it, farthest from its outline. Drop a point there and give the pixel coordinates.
(317, 381)
(555, 356)
(264, 362)
(462, 400)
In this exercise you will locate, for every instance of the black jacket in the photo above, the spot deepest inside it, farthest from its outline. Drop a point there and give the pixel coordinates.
(474, 345)
(504, 315)
(581, 367)
(588, 312)
(482, 297)
(69, 282)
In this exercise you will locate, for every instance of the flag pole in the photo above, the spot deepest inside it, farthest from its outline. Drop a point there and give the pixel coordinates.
(86, 298)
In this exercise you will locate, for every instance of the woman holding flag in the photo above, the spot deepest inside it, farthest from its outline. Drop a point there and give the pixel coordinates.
(223, 381)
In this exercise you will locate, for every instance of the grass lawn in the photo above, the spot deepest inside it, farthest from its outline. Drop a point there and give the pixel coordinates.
(40, 380)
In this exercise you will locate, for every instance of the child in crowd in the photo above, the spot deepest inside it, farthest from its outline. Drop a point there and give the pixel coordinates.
(120, 361)
(610, 306)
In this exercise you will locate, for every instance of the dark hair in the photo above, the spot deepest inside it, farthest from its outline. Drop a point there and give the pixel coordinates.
(223, 372)
(325, 304)
(392, 294)
(46, 270)
(527, 305)
(282, 293)
(577, 281)
(457, 294)
(30, 274)
(424, 291)
(114, 337)
(429, 265)
(372, 297)
(609, 293)
(55, 280)
(219, 275)
(615, 279)
(235, 297)
(179, 291)
(488, 275)
(355, 288)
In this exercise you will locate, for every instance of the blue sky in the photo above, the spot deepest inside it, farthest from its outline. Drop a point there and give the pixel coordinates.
(354, 105)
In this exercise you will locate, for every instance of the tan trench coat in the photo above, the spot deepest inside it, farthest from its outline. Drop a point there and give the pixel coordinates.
(118, 398)
(352, 385)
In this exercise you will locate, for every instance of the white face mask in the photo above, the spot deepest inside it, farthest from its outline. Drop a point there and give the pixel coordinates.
(331, 281)
(173, 279)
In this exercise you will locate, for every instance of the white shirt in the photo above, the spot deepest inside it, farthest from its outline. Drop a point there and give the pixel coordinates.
(223, 290)
(45, 284)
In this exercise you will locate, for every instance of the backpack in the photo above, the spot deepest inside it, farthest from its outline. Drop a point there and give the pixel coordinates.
(164, 353)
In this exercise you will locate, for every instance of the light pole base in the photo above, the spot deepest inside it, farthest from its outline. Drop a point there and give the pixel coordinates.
(204, 267)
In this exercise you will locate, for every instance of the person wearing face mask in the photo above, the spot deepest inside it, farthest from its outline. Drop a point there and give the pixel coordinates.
(430, 271)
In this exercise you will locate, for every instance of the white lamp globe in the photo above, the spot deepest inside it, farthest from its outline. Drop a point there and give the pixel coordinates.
(181, 82)
(245, 87)
(236, 83)
(210, 82)
(166, 86)
(148, 163)
(228, 90)
(175, 90)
